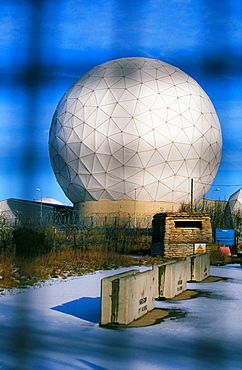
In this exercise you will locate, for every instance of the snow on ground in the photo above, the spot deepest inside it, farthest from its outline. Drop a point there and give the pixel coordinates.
(57, 327)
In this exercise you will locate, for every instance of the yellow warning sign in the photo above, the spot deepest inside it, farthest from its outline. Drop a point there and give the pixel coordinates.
(200, 248)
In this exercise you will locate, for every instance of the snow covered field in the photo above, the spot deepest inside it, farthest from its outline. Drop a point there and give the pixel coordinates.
(57, 327)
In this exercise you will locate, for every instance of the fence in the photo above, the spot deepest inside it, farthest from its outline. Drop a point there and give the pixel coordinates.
(114, 232)
(73, 218)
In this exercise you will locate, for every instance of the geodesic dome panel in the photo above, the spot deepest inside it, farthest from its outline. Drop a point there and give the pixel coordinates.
(135, 128)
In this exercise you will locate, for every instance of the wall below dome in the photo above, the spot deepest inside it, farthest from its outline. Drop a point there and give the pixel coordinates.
(142, 211)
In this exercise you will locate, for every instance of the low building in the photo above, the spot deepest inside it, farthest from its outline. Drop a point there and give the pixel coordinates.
(175, 235)
(18, 212)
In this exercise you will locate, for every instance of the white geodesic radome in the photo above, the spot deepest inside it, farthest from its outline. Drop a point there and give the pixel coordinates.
(235, 202)
(135, 128)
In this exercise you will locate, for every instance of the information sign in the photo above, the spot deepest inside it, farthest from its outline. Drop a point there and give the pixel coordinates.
(224, 236)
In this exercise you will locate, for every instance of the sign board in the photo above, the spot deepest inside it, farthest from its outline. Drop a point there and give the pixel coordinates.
(224, 236)
(200, 248)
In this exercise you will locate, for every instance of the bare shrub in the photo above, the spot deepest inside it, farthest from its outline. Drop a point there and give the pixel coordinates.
(219, 258)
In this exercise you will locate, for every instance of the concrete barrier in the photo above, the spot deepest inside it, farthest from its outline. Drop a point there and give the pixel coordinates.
(198, 267)
(172, 278)
(127, 296)
(109, 297)
(132, 296)
(137, 296)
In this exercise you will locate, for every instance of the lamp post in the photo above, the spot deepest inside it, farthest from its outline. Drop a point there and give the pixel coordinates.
(192, 208)
(135, 189)
(213, 192)
(41, 205)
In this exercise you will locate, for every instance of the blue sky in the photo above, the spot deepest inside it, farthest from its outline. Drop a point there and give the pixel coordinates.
(46, 45)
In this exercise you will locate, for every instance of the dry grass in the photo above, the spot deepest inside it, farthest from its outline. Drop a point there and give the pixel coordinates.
(7, 269)
(21, 272)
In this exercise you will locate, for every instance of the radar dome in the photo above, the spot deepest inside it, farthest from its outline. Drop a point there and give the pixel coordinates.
(135, 128)
(235, 202)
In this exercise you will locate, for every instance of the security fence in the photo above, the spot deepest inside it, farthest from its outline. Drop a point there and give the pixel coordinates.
(117, 232)
(73, 218)
(113, 232)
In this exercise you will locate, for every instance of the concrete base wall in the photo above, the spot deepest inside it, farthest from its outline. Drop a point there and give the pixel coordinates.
(198, 267)
(137, 212)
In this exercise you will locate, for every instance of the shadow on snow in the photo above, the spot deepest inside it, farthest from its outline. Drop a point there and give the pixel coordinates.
(85, 308)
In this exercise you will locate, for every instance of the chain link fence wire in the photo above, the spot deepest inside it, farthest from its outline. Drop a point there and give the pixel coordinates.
(101, 232)
(87, 232)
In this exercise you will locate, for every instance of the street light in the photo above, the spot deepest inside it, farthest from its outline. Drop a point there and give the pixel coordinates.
(214, 191)
(41, 205)
(135, 189)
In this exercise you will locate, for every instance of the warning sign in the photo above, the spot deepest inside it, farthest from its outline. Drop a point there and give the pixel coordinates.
(200, 248)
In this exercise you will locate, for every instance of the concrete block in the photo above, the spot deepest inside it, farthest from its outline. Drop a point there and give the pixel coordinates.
(109, 297)
(172, 278)
(136, 296)
(126, 297)
(198, 266)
